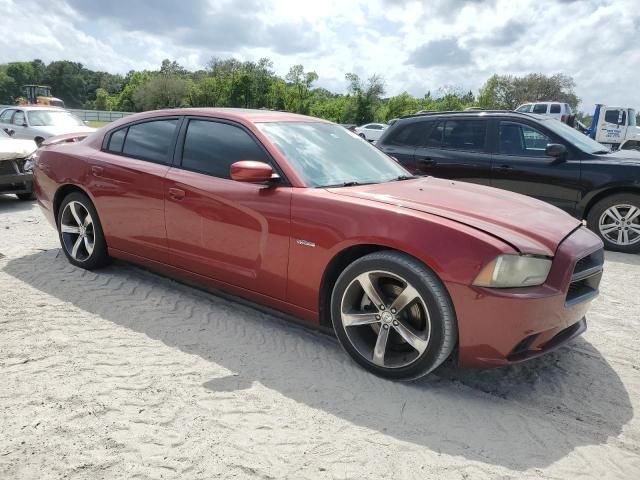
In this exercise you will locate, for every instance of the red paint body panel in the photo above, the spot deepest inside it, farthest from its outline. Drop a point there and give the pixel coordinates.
(272, 244)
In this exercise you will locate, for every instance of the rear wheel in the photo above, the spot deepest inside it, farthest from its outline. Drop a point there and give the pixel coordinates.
(616, 220)
(81, 233)
(393, 316)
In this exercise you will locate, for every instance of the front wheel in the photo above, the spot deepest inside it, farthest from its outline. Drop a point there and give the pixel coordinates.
(393, 316)
(616, 220)
(81, 233)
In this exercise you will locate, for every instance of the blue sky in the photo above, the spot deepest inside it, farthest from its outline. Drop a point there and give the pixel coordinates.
(417, 46)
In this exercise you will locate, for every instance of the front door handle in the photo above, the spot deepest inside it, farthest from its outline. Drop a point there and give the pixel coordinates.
(505, 167)
(97, 171)
(176, 194)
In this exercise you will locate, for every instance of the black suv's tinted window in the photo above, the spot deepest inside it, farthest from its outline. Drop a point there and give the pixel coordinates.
(409, 135)
(464, 134)
(211, 147)
(117, 140)
(540, 108)
(521, 139)
(434, 139)
(150, 140)
(555, 108)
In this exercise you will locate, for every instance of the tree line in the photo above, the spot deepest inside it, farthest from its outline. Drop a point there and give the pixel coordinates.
(254, 84)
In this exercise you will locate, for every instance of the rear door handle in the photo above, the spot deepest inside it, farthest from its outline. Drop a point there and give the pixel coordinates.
(176, 194)
(505, 167)
(97, 171)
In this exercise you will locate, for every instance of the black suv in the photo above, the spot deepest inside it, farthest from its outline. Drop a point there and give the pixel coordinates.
(527, 154)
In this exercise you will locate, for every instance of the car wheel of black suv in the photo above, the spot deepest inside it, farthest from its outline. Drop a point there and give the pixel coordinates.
(616, 220)
(393, 315)
(81, 233)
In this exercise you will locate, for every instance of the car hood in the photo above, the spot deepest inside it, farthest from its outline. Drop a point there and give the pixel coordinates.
(622, 157)
(528, 225)
(52, 130)
(11, 148)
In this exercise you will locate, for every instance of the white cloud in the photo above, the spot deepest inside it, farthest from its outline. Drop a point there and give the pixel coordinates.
(417, 46)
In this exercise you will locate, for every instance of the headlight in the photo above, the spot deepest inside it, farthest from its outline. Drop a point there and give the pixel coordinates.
(511, 271)
(30, 162)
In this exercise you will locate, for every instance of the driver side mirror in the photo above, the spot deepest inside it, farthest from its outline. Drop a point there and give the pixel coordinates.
(557, 151)
(251, 171)
(10, 132)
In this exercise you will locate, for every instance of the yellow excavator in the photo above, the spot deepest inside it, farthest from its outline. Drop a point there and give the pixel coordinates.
(38, 95)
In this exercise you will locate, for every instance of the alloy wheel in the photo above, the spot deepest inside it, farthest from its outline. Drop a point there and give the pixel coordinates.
(385, 319)
(77, 231)
(620, 224)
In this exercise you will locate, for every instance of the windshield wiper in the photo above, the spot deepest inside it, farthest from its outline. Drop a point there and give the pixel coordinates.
(351, 183)
(404, 177)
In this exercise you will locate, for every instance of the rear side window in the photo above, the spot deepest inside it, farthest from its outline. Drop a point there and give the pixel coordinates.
(150, 141)
(211, 148)
(540, 108)
(555, 108)
(464, 134)
(117, 140)
(5, 117)
(408, 135)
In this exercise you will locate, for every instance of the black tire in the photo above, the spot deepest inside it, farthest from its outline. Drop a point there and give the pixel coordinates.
(38, 141)
(440, 327)
(25, 197)
(621, 202)
(98, 257)
(362, 135)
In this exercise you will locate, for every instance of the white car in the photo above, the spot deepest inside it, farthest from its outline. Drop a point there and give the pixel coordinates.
(38, 123)
(557, 110)
(15, 172)
(371, 131)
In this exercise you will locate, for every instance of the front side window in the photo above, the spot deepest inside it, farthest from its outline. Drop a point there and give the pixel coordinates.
(19, 118)
(520, 139)
(326, 154)
(617, 117)
(408, 135)
(151, 140)
(524, 108)
(464, 134)
(555, 108)
(434, 139)
(540, 108)
(212, 147)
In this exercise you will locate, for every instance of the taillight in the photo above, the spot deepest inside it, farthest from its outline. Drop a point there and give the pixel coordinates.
(563, 119)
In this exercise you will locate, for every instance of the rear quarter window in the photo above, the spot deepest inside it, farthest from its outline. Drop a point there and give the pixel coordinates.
(555, 108)
(540, 108)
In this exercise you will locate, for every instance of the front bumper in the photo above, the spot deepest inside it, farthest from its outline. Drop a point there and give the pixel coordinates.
(16, 183)
(506, 326)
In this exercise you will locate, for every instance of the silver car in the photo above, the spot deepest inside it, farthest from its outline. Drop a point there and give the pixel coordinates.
(38, 123)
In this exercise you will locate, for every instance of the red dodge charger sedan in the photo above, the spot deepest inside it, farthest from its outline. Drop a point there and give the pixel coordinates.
(302, 216)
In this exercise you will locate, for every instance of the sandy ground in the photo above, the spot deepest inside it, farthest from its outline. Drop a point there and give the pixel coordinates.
(124, 374)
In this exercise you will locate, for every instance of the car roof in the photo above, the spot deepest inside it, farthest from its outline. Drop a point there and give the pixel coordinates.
(478, 113)
(35, 107)
(545, 102)
(251, 115)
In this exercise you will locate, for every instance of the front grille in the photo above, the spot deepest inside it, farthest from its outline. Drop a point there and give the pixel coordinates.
(586, 278)
(8, 167)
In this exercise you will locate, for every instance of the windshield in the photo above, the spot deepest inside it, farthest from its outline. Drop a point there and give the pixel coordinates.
(632, 118)
(578, 139)
(41, 118)
(325, 154)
